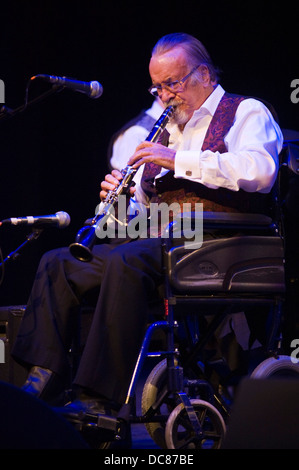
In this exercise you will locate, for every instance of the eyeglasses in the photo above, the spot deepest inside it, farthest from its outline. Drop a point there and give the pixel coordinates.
(174, 87)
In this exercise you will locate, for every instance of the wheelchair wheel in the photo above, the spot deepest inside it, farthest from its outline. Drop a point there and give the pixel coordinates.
(280, 366)
(155, 386)
(179, 433)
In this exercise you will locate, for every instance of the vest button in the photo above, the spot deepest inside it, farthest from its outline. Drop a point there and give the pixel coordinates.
(188, 173)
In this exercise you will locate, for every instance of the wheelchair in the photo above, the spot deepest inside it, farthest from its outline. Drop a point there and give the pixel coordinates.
(183, 405)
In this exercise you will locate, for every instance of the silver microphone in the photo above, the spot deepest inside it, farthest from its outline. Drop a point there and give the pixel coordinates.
(60, 219)
(92, 89)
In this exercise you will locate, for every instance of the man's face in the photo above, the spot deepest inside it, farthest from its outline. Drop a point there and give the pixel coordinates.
(171, 66)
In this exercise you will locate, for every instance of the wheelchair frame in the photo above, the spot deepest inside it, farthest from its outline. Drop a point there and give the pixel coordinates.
(206, 419)
(206, 416)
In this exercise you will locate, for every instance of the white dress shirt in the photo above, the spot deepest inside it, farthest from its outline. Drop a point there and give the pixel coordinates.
(253, 144)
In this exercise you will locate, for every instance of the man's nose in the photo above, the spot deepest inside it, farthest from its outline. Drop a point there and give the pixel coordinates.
(166, 94)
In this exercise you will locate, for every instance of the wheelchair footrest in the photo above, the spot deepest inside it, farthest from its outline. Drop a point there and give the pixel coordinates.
(112, 426)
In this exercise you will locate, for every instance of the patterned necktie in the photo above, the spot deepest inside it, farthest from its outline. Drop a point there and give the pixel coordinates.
(151, 170)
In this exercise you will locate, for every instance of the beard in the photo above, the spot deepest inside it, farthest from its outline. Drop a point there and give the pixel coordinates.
(179, 116)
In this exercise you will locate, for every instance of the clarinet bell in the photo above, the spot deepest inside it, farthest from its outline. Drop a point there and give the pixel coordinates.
(85, 239)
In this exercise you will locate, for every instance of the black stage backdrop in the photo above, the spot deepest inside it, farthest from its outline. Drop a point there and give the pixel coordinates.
(53, 155)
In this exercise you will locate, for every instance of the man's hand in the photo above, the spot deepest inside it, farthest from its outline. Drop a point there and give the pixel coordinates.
(112, 181)
(155, 153)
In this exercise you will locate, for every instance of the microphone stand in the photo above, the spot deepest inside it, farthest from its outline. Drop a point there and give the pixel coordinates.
(6, 112)
(16, 253)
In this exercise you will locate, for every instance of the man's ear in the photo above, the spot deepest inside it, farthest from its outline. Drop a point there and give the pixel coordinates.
(205, 74)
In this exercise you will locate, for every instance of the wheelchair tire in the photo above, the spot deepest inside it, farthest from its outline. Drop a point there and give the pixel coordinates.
(280, 366)
(154, 384)
(180, 435)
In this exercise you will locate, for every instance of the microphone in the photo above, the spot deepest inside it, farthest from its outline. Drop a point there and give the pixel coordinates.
(92, 89)
(60, 220)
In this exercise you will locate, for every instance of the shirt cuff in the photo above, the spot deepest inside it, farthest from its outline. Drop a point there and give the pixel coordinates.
(187, 165)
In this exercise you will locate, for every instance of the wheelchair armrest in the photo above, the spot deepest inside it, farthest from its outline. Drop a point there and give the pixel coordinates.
(237, 219)
(225, 220)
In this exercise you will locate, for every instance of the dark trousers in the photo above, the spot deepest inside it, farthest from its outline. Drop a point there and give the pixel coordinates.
(128, 277)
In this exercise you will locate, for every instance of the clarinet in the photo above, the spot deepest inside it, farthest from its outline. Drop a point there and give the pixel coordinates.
(81, 249)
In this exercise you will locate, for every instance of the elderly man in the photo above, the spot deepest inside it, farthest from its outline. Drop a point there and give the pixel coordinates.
(221, 150)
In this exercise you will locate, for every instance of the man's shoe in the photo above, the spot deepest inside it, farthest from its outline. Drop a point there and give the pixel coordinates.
(37, 380)
(96, 419)
(44, 384)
